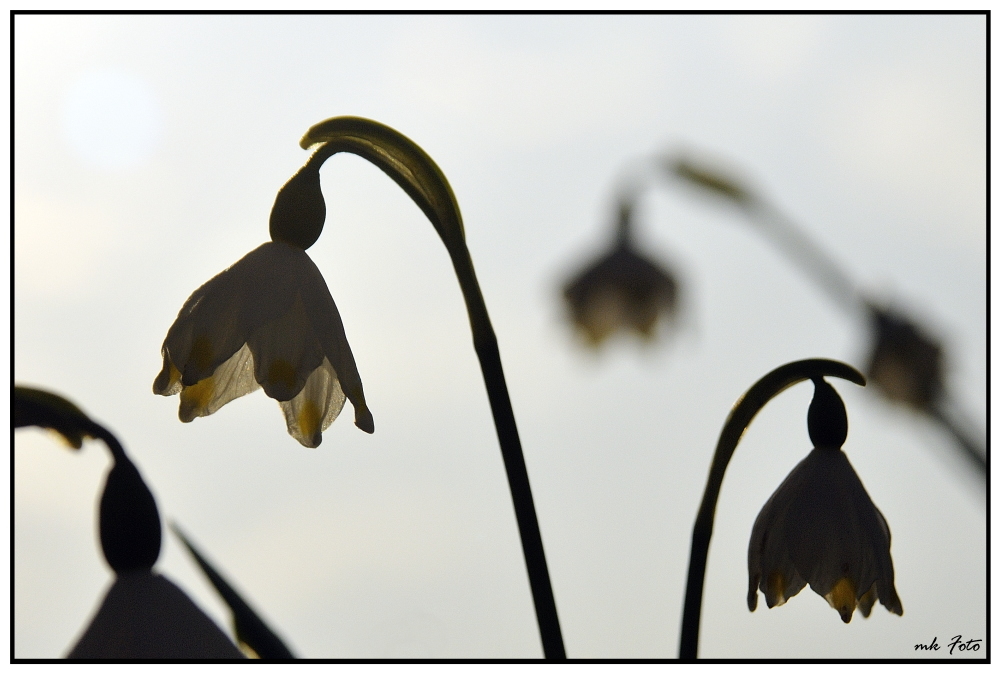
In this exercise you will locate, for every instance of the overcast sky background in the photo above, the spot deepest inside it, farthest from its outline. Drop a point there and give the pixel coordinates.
(148, 151)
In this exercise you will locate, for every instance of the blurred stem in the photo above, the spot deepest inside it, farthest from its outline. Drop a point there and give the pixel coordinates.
(775, 225)
(972, 449)
(623, 232)
(100, 432)
(739, 419)
(417, 174)
(809, 256)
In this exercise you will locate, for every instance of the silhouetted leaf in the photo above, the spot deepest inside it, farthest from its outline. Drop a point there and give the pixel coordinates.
(251, 631)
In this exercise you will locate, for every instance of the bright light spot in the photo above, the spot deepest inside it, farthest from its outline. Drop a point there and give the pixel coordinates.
(112, 119)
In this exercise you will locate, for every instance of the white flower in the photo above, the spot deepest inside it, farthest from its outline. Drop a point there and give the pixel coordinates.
(621, 291)
(821, 528)
(268, 320)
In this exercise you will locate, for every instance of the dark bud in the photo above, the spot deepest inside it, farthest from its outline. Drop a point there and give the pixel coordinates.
(827, 417)
(299, 211)
(130, 522)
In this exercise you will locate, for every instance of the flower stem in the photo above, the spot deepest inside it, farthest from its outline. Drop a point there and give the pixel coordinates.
(485, 342)
(739, 419)
(413, 170)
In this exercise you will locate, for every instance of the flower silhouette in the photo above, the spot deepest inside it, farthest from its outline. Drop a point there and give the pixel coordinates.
(143, 615)
(821, 528)
(620, 291)
(267, 321)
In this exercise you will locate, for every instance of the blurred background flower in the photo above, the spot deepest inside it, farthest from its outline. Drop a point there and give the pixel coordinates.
(621, 291)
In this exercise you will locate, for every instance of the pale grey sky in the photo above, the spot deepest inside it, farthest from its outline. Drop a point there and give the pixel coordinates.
(148, 150)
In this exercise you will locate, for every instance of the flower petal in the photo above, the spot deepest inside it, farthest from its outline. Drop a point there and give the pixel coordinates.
(328, 326)
(770, 566)
(207, 331)
(830, 525)
(316, 406)
(168, 381)
(218, 317)
(842, 598)
(286, 350)
(886, 575)
(232, 379)
(867, 600)
(821, 527)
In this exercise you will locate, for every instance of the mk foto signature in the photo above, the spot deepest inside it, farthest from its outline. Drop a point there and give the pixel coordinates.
(970, 645)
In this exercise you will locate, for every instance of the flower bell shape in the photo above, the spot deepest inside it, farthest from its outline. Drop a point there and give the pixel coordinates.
(905, 363)
(821, 528)
(268, 321)
(620, 291)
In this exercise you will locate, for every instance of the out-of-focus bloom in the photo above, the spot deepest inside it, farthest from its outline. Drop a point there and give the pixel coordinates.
(620, 291)
(145, 616)
(905, 363)
(821, 528)
(267, 321)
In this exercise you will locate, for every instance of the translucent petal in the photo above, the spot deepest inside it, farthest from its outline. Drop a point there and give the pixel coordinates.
(318, 404)
(325, 318)
(168, 381)
(207, 330)
(232, 379)
(768, 556)
(867, 600)
(218, 317)
(286, 350)
(842, 598)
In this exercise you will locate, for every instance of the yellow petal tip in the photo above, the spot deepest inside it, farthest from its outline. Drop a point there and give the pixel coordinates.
(842, 599)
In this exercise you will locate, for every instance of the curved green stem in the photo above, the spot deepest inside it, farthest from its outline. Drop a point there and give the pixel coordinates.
(413, 170)
(739, 419)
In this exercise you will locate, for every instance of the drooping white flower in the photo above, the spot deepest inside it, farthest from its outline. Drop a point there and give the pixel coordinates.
(822, 529)
(621, 291)
(267, 321)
